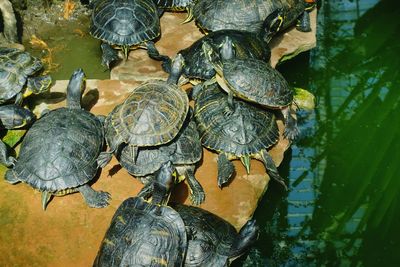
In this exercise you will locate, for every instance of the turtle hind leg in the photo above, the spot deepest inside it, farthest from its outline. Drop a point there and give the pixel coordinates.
(104, 158)
(248, 234)
(197, 194)
(304, 23)
(11, 177)
(225, 170)
(109, 55)
(5, 159)
(94, 199)
(271, 168)
(291, 129)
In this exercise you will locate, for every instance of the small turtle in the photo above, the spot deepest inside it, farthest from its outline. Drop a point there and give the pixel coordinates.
(18, 78)
(126, 24)
(212, 241)
(248, 15)
(59, 152)
(145, 234)
(245, 133)
(12, 117)
(247, 45)
(184, 151)
(253, 80)
(152, 115)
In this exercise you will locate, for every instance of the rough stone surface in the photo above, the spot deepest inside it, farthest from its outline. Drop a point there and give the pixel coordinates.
(69, 233)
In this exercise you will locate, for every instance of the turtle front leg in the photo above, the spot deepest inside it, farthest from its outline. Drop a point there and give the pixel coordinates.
(109, 55)
(225, 169)
(94, 199)
(11, 177)
(291, 129)
(304, 23)
(148, 187)
(154, 54)
(230, 108)
(270, 167)
(18, 99)
(197, 194)
(4, 158)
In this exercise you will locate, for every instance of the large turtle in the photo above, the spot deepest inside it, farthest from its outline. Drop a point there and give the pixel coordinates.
(59, 152)
(143, 233)
(152, 115)
(18, 75)
(248, 15)
(12, 117)
(212, 241)
(245, 133)
(126, 24)
(184, 151)
(247, 45)
(253, 80)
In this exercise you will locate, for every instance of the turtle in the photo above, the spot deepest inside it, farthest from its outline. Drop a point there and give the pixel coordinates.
(12, 117)
(245, 133)
(248, 15)
(18, 76)
(213, 241)
(184, 151)
(151, 115)
(59, 152)
(126, 24)
(143, 233)
(247, 44)
(253, 80)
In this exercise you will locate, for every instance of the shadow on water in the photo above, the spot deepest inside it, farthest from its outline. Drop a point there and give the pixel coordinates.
(343, 208)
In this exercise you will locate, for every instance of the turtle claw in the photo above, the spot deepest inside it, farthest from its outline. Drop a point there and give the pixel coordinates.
(103, 159)
(291, 133)
(10, 177)
(197, 197)
(99, 200)
(228, 111)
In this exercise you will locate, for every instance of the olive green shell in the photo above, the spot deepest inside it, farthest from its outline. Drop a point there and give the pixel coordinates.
(15, 67)
(143, 234)
(256, 81)
(153, 114)
(246, 131)
(121, 22)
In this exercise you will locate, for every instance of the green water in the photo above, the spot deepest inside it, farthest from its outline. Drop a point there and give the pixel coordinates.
(343, 207)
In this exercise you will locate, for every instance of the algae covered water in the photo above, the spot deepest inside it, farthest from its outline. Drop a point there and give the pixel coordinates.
(343, 207)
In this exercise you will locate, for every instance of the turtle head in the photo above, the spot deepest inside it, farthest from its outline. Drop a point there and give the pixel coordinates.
(227, 50)
(272, 24)
(14, 116)
(37, 85)
(247, 236)
(165, 179)
(212, 56)
(178, 62)
(75, 88)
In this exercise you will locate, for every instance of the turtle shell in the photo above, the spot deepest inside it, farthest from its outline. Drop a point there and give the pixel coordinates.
(210, 238)
(153, 114)
(15, 67)
(245, 15)
(60, 150)
(122, 22)
(143, 234)
(246, 131)
(256, 81)
(188, 146)
(247, 45)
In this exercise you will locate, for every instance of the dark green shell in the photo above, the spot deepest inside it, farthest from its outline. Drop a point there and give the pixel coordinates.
(153, 114)
(122, 22)
(15, 67)
(246, 131)
(256, 81)
(247, 45)
(246, 15)
(60, 150)
(210, 239)
(143, 234)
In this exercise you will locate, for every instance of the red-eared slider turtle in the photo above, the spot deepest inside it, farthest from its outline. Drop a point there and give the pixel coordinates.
(248, 15)
(59, 152)
(245, 133)
(212, 241)
(126, 24)
(247, 44)
(184, 151)
(152, 115)
(253, 80)
(145, 234)
(12, 117)
(18, 78)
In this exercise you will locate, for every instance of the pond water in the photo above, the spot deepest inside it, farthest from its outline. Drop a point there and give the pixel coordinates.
(343, 206)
